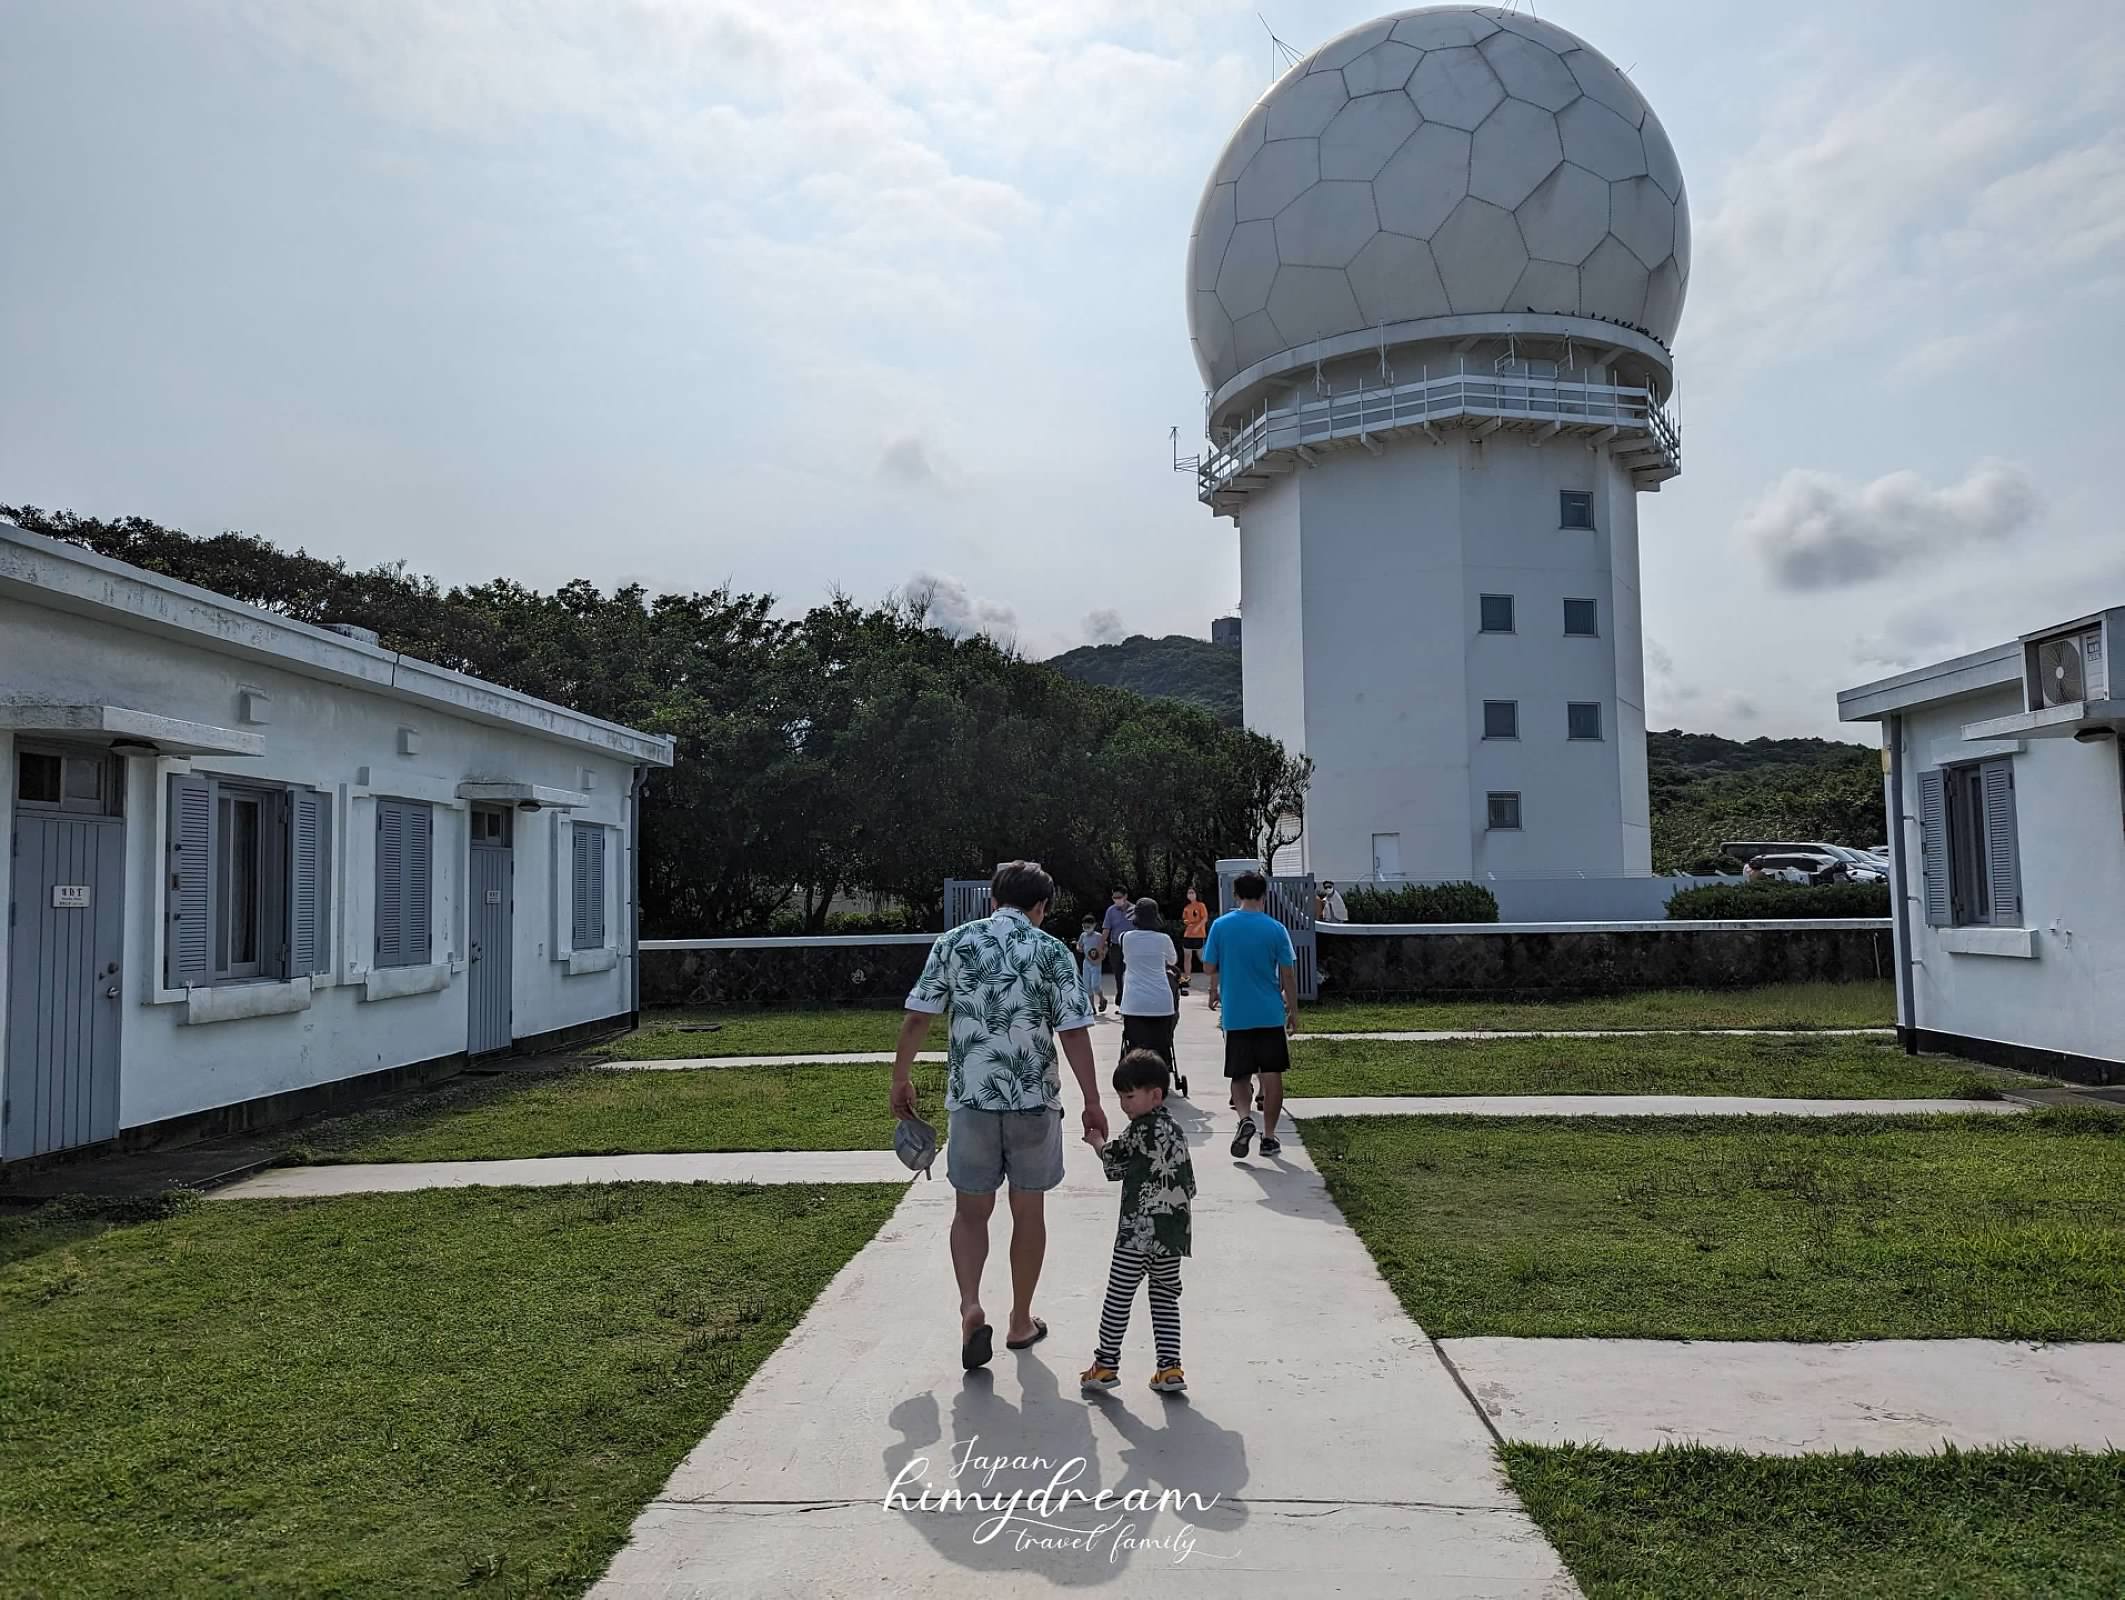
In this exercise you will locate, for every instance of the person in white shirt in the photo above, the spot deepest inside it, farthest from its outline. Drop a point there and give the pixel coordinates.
(1333, 909)
(1149, 1009)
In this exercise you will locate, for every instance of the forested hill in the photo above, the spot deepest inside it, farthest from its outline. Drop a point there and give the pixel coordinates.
(1704, 788)
(1176, 667)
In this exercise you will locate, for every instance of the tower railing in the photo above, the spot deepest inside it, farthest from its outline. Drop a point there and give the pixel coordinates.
(1545, 406)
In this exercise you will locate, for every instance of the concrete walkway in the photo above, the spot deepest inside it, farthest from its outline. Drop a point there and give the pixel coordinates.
(1331, 1449)
(867, 1058)
(1629, 1105)
(765, 1166)
(1785, 1399)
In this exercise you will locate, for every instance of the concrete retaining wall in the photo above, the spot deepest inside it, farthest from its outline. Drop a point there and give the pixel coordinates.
(1538, 959)
(859, 969)
(1359, 962)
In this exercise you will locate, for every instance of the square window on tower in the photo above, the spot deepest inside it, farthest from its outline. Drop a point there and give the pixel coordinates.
(1582, 619)
(1501, 719)
(1496, 613)
(1502, 809)
(1575, 508)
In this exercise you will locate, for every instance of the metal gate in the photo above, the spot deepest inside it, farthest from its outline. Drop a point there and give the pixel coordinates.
(64, 947)
(493, 919)
(966, 900)
(1290, 901)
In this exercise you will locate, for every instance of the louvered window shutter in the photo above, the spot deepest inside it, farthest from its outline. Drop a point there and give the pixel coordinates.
(2003, 851)
(597, 888)
(579, 837)
(420, 884)
(1933, 847)
(309, 884)
(390, 884)
(188, 933)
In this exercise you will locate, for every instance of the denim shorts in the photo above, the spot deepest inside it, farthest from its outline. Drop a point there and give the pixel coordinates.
(986, 1147)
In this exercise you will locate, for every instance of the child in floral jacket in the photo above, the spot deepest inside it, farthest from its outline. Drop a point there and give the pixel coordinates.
(1150, 1160)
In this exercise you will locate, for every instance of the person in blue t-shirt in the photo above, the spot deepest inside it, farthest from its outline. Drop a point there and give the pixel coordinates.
(1254, 973)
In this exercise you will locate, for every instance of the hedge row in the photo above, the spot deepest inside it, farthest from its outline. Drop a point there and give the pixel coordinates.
(1741, 901)
(1423, 902)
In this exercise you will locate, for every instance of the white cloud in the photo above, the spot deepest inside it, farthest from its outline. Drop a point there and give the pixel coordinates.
(906, 461)
(948, 605)
(1872, 191)
(1104, 627)
(1817, 531)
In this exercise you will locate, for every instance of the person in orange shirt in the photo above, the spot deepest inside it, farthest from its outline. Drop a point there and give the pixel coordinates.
(1195, 927)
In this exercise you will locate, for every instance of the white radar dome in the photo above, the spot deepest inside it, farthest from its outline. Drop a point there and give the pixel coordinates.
(1440, 162)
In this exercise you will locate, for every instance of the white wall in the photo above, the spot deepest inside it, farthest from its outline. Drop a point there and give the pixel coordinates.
(1376, 638)
(346, 742)
(2070, 994)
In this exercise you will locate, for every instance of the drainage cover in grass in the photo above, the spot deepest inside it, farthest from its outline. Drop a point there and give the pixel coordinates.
(1742, 1228)
(386, 1395)
(1698, 1524)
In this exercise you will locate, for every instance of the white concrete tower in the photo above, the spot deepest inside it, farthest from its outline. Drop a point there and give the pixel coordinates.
(1431, 287)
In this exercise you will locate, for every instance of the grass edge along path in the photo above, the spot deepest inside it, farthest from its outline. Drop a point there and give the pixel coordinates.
(1780, 1005)
(596, 1113)
(1826, 1067)
(389, 1394)
(1795, 1228)
(1695, 1523)
(688, 1033)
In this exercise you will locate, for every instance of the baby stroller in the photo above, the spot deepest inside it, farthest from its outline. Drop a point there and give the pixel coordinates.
(1180, 1080)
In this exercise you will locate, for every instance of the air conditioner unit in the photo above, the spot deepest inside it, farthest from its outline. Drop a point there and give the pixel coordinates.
(2071, 665)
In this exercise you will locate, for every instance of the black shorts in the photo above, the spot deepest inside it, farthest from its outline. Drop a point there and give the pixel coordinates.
(1252, 1050)
(1191, 944)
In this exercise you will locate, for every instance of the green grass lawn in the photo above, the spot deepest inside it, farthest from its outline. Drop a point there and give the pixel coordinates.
(1700, 1524)
(388, 1395)
(1834, 1067)
(675, 1034)
(594, 1113)
(1781, 1005)
(1731, 1228)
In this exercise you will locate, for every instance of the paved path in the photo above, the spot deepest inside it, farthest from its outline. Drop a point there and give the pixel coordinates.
(831, 1058)
(1783, 1399)
(1332, 1447)
(1628, 1105)
(771, 1166)
(864, 1058)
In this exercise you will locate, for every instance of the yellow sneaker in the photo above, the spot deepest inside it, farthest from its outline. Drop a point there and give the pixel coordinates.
(1169, 1380)
(1098, 1377)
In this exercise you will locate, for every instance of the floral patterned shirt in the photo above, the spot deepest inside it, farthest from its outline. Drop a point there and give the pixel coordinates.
(1150, 1160)
(1010, 989)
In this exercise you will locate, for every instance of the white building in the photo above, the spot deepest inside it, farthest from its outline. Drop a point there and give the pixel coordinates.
(2007, 834)
(253, 858)
(1431, 285)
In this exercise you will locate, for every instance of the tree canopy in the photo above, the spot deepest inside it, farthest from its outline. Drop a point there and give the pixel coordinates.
(855, 750)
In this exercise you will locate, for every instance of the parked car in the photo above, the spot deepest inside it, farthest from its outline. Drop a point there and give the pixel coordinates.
(1796, 867)
(1861, 866)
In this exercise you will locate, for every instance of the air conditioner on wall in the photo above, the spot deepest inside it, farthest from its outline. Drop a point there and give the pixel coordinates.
(2071, 664)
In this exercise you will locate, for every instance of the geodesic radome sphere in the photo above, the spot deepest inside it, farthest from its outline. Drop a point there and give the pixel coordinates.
(1435, 163)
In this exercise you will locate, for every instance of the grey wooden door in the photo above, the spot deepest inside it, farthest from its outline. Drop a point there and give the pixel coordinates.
(493, 908)
(65, 943)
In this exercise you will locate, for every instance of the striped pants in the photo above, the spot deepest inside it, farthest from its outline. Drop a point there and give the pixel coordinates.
(1130, 1268)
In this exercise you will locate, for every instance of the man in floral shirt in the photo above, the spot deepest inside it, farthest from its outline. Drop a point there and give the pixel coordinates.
(1012, 991)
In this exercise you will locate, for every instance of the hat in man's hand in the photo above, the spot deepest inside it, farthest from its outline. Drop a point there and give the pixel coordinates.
(915, 1142)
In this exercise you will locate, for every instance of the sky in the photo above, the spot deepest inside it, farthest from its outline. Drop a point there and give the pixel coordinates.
(806, 297)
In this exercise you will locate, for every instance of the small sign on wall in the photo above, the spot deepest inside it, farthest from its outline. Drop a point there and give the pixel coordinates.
(494, 897)
(66, 895)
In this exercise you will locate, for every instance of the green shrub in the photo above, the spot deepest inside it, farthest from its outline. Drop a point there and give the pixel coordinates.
(1423, 902)
(1720, 903)
(789, 923)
